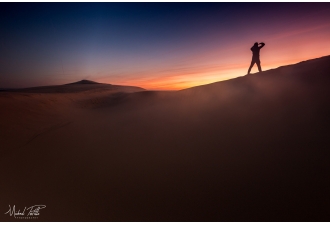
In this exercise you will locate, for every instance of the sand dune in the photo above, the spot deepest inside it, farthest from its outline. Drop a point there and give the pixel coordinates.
(28, 112)
(80, 86)
(254, 148)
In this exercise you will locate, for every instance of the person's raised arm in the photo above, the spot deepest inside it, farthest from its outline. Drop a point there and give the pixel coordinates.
(262, 44)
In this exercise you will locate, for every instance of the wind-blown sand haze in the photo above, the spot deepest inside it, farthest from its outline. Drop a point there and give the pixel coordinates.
(254, 148)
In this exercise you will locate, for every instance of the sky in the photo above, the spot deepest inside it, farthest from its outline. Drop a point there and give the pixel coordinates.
(156, 46)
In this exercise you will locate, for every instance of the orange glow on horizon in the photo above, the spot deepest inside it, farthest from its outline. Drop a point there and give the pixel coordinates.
(219, 64)
(176, 81)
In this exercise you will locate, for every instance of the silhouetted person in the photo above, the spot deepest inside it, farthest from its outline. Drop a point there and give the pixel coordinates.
(256, 57)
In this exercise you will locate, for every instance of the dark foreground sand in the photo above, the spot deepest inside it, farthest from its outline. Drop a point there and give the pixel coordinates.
(255, 148)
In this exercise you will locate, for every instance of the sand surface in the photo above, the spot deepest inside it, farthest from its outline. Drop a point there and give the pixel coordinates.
(254, 148)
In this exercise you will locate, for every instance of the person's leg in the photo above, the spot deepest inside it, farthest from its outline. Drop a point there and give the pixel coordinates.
(259, 66)
(252, 63)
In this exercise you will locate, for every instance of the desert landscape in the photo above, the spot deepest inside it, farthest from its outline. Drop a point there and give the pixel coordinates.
(253, 148)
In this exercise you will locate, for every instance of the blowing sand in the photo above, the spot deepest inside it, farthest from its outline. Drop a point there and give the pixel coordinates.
(254, 148)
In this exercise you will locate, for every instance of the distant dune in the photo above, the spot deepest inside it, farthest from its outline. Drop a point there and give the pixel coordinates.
(83, 85)
(254, 148)
(84, 82)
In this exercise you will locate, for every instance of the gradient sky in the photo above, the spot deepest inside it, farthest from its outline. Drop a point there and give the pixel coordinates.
(157, 46)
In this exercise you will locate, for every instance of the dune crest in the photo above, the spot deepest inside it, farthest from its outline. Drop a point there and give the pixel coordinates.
(84, 82)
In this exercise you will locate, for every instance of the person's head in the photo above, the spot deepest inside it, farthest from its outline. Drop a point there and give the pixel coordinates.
(255, 44)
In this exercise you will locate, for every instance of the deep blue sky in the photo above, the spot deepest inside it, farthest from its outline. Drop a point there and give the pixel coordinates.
(155, 45)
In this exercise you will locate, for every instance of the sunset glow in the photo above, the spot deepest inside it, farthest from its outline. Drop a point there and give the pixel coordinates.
(156, 46)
